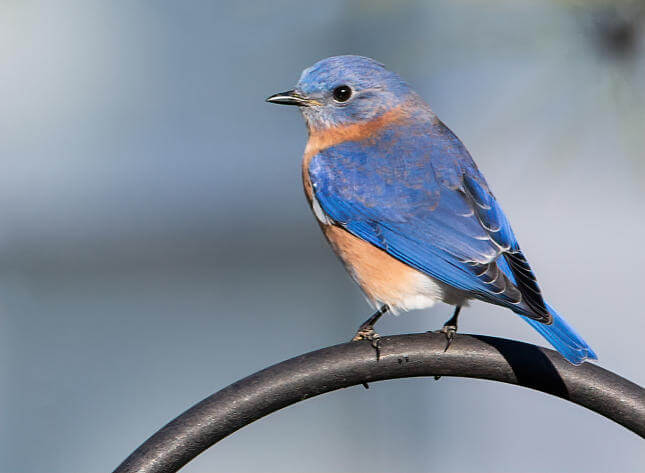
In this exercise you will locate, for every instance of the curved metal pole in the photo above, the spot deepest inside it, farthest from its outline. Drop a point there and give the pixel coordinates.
(401, 356)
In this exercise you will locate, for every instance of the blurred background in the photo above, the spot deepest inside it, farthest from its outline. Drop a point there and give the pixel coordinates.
(155, 244)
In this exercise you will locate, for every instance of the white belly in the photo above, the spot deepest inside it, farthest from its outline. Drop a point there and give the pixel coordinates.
(386, 280)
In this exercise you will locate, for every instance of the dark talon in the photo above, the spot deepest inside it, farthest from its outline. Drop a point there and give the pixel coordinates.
(376, 344)
(366, 332)
(449, 329)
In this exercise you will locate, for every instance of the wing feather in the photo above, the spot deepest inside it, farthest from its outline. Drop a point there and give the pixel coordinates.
(425, 203)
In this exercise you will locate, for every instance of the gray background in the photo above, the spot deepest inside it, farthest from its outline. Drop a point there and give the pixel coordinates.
(155, 245)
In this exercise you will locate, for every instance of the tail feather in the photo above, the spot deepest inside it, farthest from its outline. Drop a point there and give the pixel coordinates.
(564, 338)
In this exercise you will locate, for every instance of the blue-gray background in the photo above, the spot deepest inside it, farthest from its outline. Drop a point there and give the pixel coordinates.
(155, 244)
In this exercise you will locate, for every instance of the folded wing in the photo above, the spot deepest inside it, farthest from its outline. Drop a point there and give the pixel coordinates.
(423, 201)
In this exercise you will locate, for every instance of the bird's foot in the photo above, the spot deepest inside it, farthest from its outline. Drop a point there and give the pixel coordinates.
(368, 333)
(449, 331)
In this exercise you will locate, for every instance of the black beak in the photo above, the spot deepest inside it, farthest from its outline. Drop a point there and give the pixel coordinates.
(290, 97)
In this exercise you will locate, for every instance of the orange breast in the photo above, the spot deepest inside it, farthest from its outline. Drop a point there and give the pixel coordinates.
(383, 278)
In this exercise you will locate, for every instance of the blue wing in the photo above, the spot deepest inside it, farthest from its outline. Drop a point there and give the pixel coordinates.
(424, 202)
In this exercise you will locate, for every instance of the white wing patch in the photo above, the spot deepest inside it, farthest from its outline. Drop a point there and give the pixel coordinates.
(319, 212)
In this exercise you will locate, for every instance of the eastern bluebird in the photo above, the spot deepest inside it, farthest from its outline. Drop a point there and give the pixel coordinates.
(404, 206)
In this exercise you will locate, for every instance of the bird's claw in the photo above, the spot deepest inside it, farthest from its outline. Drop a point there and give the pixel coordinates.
(449, 331)
(368, 333)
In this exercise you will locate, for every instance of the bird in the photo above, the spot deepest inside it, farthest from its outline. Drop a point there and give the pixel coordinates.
(404, 206)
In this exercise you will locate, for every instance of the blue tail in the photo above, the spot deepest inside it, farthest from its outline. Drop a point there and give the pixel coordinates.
(564, 338)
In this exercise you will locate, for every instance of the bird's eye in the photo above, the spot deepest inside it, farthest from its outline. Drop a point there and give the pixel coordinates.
(342, 93)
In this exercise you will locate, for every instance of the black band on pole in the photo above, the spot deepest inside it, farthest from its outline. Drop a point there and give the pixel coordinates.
(401, 356)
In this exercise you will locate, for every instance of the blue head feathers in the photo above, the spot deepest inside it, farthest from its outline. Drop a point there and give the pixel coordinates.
(342, 90)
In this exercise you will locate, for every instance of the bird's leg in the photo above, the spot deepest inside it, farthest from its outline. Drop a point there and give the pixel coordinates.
(366, 330)
(449, 329)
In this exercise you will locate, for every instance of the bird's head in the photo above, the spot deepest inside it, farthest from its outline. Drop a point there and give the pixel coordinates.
(344, 90)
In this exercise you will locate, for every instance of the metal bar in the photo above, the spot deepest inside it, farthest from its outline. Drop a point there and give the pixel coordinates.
(401, 356)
